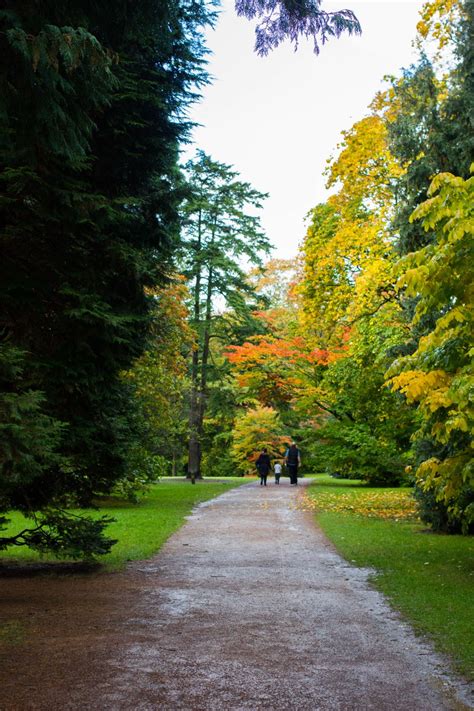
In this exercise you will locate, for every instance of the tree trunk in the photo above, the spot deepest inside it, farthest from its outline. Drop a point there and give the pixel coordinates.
(195, 424)
(195, 418)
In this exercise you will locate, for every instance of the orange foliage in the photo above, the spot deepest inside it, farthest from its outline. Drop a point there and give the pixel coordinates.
(259, 349)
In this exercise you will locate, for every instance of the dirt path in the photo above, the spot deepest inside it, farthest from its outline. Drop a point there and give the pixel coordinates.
(246, 607)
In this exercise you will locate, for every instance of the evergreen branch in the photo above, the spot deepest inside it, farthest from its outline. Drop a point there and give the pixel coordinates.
(292, 19)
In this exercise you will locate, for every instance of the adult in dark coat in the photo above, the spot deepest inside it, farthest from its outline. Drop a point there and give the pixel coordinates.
(292, 461)
(263, 465)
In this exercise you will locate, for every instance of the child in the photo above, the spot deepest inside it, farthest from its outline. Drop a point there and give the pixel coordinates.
(277, 469)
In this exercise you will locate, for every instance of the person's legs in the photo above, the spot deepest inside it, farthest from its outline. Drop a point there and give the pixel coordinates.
(264, 479)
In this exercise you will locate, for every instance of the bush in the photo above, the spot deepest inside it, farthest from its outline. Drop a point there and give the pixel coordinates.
(438, 515)
(352, 451)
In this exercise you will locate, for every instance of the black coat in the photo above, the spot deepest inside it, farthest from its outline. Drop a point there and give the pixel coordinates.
(263, 464)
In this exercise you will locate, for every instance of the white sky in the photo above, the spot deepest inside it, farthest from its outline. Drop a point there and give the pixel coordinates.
(277, 119)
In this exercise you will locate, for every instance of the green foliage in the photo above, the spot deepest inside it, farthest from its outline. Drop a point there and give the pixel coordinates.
(91, 115)
(160, 385)
(221, 228)
(431, 131)
(367, 433)
(64, 535)
(140, 528)
(222, 407)
(221, 231)
(439, 375)
(143, 469)
(29, 438)
(438, 514)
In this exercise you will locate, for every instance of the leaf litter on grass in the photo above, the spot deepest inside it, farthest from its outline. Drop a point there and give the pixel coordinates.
(394, 505)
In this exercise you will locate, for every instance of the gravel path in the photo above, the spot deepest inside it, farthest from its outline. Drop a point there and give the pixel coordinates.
(246, 607)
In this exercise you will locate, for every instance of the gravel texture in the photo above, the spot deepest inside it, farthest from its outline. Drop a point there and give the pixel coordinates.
(247, 607)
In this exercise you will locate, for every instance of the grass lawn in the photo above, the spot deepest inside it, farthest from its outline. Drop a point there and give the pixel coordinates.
(429, 577)
(141, 529)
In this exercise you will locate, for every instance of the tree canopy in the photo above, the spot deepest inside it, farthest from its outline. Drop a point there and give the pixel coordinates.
(141, 331)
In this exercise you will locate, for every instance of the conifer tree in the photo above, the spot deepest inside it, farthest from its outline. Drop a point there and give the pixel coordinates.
(292, 19)
(91, 113)
(221, 231)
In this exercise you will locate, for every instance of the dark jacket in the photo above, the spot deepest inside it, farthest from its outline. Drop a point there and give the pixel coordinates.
(293, 457)
(263, 464)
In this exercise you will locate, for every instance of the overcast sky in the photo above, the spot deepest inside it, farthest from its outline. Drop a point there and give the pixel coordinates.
(278, 119)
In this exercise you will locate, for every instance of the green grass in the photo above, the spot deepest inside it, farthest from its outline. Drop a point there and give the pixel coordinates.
(141, 529)
(428, 577)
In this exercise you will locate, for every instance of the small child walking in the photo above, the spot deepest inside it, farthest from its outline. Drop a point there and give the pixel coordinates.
(277, 470)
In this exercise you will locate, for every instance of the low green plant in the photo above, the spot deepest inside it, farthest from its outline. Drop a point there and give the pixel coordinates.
(140, 529)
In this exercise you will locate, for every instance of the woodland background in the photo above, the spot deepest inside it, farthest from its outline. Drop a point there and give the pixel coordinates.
(144, 329)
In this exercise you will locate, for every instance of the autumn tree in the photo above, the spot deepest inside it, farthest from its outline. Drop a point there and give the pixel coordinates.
(160, 386)
(221, 231)
(438, 375)
(350, 308)
(253, 430)
(347, 250)
(431, 132)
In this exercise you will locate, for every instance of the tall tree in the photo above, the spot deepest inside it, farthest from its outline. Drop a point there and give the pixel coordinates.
(91, 112)
(431, 132)
(348, 250)
(431, 129)
(222, 231)
(439, 375)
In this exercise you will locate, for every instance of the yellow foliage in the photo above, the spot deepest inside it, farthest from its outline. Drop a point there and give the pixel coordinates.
(348, 256)
(390, 504)
(438, 21)
(417, 385)
(441, 277)
(253, 430)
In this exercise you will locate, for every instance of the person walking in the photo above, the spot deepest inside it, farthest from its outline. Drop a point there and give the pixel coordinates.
(277, 470)
(263, 465)
(293, 461)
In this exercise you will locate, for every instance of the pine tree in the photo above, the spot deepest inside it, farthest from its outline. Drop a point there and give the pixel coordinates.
(92, 111)
(221, 230)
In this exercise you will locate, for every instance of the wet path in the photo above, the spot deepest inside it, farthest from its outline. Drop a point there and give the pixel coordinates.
(246, 607)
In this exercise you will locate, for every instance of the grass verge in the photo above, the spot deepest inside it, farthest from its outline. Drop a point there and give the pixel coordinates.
(141, 529)
(428, 577)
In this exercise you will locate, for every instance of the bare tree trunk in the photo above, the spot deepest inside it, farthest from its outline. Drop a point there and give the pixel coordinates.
(195, 422)
(206, 337)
